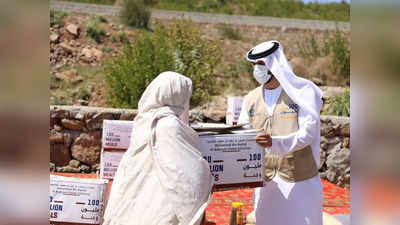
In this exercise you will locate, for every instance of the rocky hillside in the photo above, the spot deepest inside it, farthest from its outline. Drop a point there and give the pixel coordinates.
(80, 43)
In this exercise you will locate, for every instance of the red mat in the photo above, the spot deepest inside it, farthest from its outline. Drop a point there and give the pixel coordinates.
(336, 200)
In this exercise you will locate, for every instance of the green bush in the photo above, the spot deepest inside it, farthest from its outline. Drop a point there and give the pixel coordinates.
(128, 74)
(339, 105)
(95, 30)
(177, 47)
(56, 17)
(102, 19)
(134, 13)
(123, 38)
(341, 52)
(338, 45)
(310, 48)
(107, 49)
(194, 57)
(228, 32)
(239, 77)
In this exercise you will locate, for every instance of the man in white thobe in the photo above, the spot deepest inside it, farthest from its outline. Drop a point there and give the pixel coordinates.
(285, 109)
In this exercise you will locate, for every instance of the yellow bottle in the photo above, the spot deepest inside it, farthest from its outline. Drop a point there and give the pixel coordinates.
(239, 212)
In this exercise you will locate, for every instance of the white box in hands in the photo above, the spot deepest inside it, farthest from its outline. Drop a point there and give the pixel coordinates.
(116, 139)
(235, 160)
(77, 200)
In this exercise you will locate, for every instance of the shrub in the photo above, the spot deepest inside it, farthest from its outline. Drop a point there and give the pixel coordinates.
(56, 18)
(341, 52)
(123, 38)
(134, 13)
(194, 57)
(129, 74)
(310, 48)
(95, 30)
(176, 47)
(338, 45)
(240, 77)
(102, 19)
(339, 105)
(229, 33)
(113, 39)
(107, 49)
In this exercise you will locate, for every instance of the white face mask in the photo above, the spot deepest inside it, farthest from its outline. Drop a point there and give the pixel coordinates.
(261, 74)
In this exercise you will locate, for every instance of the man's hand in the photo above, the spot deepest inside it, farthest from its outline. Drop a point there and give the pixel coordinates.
(264, 140)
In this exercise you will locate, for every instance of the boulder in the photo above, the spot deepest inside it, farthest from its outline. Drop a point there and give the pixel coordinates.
(338, 164)
(69, 169)
(86, 148)
(56, 137)
(60, 154)
(96, 122)
(69, 76)
(54, 38)
(57, 127)
(73, 29)
(72, 124)
(52, 167)
(87, 55)
(67, 48)
(327, 130)
(346, 142)
(85, 168)
(74, 163)
(97, 54)
(58, 113)
(345, 130)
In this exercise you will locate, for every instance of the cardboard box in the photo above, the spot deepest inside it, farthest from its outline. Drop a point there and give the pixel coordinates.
(117, 134)
(76, 200)
(233, 110)
(116, 140)
(110, 160)
(235, 160)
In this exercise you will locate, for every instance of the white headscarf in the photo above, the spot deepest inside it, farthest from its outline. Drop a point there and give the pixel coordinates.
(159, 100)
(302, 91)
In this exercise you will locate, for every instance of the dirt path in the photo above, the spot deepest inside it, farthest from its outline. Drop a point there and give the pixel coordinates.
(207, 17)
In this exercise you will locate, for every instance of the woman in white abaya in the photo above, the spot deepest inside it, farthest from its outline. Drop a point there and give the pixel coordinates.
(162, 178)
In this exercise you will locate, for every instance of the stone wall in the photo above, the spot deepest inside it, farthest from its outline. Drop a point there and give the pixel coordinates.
(75, 139)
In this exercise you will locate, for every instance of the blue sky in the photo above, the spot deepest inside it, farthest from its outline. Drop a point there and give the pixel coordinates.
(324, 1)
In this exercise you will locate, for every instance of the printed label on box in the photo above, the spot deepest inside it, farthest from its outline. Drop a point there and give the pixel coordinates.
(75, 200)
(109, 163)
(235, 160)
(117, 134)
